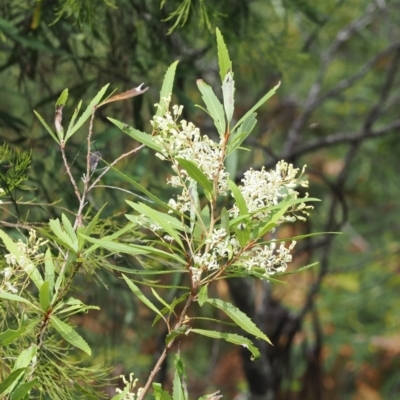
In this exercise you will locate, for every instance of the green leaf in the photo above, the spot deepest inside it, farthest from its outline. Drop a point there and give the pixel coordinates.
(72, 122)
(25, 357)
(11, 246)
(231, 164)
(141, 137)
(141, 296)
(10, 335)
(166, 88)
(175, 333)
(48, 129)
(68, 228)
(240, 201)
(228, 92)
(239, 317)
(88, 112)
(63, 98)
(11, 379)
(55, 226)
(44, 296)
(259, 104)
(203, 296)
(14, 297)
(214, 107)
(196, 173)
(225, 64)
(162, 219)
(178, 392)
(159, 393)
(238, 137)
(69, 334)
(231, 338)
(131, 249)
(93, 222)
(49, 273)
(225, 220)
(23, 389)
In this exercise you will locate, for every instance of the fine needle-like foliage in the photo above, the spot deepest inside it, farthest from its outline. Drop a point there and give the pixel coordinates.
(211, 229)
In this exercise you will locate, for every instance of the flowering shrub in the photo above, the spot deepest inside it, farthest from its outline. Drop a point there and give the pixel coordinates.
(211, 229)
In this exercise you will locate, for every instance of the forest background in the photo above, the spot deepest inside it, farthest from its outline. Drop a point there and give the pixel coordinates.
(335, 328)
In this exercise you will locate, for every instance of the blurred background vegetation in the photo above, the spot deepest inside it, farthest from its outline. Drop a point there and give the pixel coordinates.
(335, 329)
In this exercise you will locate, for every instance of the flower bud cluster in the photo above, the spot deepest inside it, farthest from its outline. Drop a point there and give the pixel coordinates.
(28, 255)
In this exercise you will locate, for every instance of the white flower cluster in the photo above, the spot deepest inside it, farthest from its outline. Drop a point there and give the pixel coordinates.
(262, 189)
(129, 386)
(29, 253)
(182, 139)
(268, 257)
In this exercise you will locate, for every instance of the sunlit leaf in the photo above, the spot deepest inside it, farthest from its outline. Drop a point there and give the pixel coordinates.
(166, 88)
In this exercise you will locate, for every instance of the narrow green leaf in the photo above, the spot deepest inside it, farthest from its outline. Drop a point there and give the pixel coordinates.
(44, 296)
(225, 64)
(258, 105)
(237, 195)
(141, 137)
(228, 92)
(160, 218)
(55, 226)
(131, 249)
(72, 122)
(196, 173)
(225, 220)
(49, 273)
(93, 222)
(231, 164)
(11, 379)
(214, 107)
(166, 88)
(238, 137)
(14, 297)
(48, 129)
(203, 296)
(88, 112)
(25, 357)
(231, 338)
(10, 335)
(159, 393)
(62, 100)
(23, 389)
(178, 392)
(239, 317)
(70, 335)
(141, 296)
(68, 228)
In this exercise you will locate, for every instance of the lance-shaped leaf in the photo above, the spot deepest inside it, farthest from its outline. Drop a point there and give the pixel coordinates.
(231, 338)
(237, 195)
(179, 391)
(49, 269)
(73, 119)
(23, 389)
(10, 335)
(196, 173)
(162, 219)
(243, 234)
(69, 334)
(125, 95)
(15, 297)
(240, 135)
(48, 129)
(214, 106)
(239, 317)
(228, 91)
(175, 333)
(12, 378)
(141, 137)
(203, 295)
(64, 237)
(141, 296)
(225, 64)
(258, 104)
(166, 88)
(88, 112)
(44, 296)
